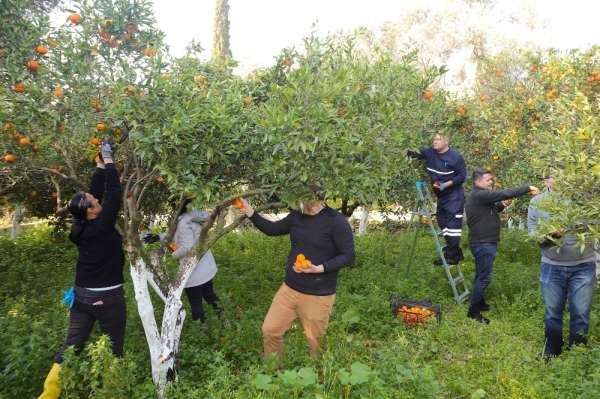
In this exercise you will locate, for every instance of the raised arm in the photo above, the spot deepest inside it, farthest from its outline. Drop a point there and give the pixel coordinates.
(271, 228)
(112, 199)
(98, 181)
(492, 196)
(461, 172)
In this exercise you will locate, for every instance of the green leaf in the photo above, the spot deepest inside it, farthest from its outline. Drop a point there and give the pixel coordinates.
(262, 382)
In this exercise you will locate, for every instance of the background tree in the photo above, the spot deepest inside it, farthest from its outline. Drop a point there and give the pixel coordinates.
(221, 47)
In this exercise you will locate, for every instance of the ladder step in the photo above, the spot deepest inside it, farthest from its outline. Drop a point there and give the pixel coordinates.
(462, 296)
(459, 279)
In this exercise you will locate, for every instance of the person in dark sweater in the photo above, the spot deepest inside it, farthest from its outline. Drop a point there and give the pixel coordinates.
(324, 237)
(98, 288)
(448, 171)
(483, 206)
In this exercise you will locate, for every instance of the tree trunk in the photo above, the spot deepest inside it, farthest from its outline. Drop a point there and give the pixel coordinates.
(163, 345)
(17, 218)
(364, 221)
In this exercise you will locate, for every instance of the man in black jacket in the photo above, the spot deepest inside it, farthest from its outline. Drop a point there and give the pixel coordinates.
(483, 206)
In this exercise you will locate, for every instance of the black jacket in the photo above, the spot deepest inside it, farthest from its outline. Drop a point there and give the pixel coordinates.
(101, 258)
(482, 210)
(325, 238)
(444, 167)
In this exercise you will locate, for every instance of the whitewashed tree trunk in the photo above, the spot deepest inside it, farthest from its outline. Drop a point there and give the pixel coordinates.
(364, 221)
(17, 218)
(163, 344)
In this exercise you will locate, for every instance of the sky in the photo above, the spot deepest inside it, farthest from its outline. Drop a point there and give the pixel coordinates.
(259, 29)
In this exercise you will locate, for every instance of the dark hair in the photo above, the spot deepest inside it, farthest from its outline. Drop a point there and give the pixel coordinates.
(175, 205)
(479, 172)
(77, 207)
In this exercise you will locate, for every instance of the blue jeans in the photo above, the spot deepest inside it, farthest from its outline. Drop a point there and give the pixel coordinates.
(484, 254)
(559, 284)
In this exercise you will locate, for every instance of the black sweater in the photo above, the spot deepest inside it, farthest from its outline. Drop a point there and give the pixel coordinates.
(448, 166)
(324, 238)
(101, 258)
(482, 212)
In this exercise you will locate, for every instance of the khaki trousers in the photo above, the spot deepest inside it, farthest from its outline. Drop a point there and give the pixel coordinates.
(289, 305)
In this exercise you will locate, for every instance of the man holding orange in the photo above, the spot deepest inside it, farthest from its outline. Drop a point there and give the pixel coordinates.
(322, 244)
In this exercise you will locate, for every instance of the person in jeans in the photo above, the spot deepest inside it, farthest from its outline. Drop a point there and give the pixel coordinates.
(324, 236)
(99, 293)
(200, 283)
(483, 206)
(567, 273)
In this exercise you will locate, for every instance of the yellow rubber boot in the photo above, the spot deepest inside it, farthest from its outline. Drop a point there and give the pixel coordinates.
(52, 384)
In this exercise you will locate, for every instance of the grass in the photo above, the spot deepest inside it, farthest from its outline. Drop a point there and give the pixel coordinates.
(368, 353)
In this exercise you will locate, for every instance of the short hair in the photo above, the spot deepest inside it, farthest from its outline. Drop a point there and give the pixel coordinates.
(444, 136)
(480, 172)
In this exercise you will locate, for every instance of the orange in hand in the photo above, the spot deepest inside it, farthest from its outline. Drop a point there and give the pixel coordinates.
(302, 262)
(238, 203)
(173, 246)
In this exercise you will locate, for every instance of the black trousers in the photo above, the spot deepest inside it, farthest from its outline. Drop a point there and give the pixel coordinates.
(196, 294)
(108, 307)
(450, 217)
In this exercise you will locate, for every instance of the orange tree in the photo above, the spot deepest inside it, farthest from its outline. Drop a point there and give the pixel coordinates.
(343, 119)
(533, 114)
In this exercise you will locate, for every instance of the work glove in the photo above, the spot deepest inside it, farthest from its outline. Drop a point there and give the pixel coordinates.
(149, 238)
(413, 154)
(106, 149)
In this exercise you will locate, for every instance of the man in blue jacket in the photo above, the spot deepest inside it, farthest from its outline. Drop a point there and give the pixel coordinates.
(447, 169)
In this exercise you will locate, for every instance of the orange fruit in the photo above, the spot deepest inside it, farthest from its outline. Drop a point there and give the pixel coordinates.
(33, 65)
(33, 194)
(300, 257)
(100, 126)
(200, 79)
(129, 194)
(41, 50)
(95, 141)
(58, 92)
(20, 87)
(104, 35)
(533, 68)
(160, 179)
(24, 141)
(428, 94)
(496, 157)
(54, 194)
(75, 19)
(93, 51)
(173, 246)
(10, 158)
(238, 203)
(7, 126)
(149, 52)
(247, 101)
(288, 62)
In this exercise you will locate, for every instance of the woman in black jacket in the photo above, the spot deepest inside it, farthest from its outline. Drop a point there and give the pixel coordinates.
(98, 288)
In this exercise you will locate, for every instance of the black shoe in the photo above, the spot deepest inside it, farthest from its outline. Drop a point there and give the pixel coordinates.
(450, 261)
(478, 316)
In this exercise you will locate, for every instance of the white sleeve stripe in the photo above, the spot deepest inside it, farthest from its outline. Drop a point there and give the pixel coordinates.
(440, 173)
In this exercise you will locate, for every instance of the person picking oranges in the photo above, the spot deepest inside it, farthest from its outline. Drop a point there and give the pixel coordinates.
(322, 244)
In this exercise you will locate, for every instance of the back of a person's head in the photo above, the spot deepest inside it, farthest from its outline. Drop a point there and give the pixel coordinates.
(77, 207)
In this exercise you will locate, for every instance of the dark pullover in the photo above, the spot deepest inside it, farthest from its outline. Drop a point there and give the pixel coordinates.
(101, 259)
(324, 238)
(482, 212)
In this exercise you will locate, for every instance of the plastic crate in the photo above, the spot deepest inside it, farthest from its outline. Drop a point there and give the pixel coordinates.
(415, 312)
